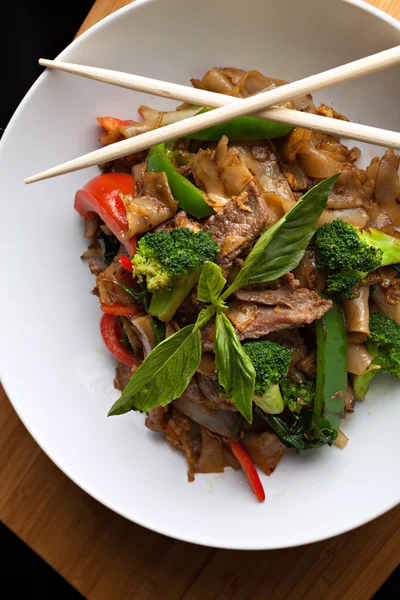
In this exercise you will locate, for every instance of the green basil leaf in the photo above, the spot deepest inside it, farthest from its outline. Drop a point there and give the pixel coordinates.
(235, 370)
(204, 316)
(211, 283)
(282, 246)
(164, 374)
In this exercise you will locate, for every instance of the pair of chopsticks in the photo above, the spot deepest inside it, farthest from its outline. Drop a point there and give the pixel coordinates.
(228, 107)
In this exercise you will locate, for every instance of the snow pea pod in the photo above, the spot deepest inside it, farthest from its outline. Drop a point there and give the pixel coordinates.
(187, 195)
(245, 129)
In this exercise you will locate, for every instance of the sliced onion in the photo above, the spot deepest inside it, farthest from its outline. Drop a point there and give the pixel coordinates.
(143, 326)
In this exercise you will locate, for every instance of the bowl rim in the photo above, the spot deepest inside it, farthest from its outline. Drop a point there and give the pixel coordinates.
(7, 385)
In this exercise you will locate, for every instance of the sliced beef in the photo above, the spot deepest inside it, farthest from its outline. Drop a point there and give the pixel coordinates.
(238, 225)
(202, 390)
(303, 307)
(283, 296)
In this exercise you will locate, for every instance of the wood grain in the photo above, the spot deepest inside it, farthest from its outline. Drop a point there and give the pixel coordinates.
(108, 558)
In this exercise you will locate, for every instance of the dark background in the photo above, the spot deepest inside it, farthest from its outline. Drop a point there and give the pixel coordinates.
(31, 30)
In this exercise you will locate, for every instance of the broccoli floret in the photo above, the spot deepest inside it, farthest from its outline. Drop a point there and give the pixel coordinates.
(349, 253)
(339, 245)
(270, 361)
(384, 346)
(296, 396)
(383, 330)
(342, 285)
(384, 343)
(341, 250)
(163, 257)
(271, 364)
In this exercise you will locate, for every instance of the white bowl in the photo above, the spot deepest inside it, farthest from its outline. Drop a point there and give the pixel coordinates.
(57, 372)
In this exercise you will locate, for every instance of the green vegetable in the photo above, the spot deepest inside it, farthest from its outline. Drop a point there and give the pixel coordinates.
(211, 283)
(271, 363)
(140, 294)
(288, 239)
(125, 340)
(159, 330)
(165, 303)
(170, 262)
(241, 129)
(387, 244)
(282, 246)
(383, 330)
(342, 285)
(164, 374)
(331, 381)
(361, 382)
(110, 246)
(205, 315)
(164, 256)
(297, 396)
(300, 432)
(270, 401)
(384, 346)
(349, 253)
(187, 195)
(339, 245)
(235, 370)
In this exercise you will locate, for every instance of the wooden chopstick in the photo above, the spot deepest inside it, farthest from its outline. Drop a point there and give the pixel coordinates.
(251, 105)
(195, 96)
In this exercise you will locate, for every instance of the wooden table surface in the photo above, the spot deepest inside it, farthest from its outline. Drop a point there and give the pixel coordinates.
(109, 558)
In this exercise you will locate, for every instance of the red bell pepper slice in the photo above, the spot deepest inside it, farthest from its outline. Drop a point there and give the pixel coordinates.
(111, 332)
(111, 123)
(126, 263)
(248, 467)
(101, 196)
(119, 309)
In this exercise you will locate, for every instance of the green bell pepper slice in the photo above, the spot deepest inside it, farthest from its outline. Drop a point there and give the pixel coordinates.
(331, 381)
(245, 129)
(187, 195)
